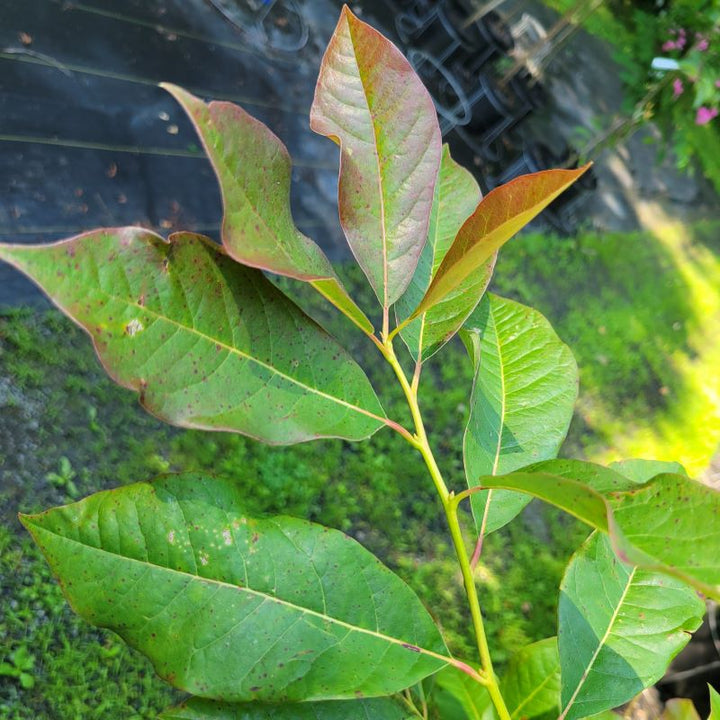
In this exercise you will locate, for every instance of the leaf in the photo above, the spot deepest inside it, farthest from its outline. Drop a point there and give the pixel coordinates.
(456, 696)
(601, 479)
(619, 628)
(233, 608)
(669, 524)
(574, 497)
(500, 215)
(714, 704)
(456, 196)
(672, 524)
(524, 391)
(679, 709)
(531, 684)
(208, 343)
(605, 715)
(372, 709)
(370, 101)
(640, 471)
(253, 168)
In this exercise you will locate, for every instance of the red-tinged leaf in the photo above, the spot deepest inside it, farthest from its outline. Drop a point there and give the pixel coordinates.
(207, 342)
(370, 101)
(253, 168)
(499, 216)
(456, 197)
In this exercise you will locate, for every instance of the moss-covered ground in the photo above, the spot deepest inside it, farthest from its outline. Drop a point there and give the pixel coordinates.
(639, 311)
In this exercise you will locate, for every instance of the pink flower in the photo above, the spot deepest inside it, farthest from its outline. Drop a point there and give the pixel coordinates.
(705, 115)
(668, 45)
(677, 87)
(717, 83)
(702, 45)
(680, 44)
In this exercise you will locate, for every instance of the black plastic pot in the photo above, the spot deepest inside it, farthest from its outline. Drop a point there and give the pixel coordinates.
(413, 20)
(530, 91)
(497, 40)
(448, 91)
(535, 157)
(442, 30)
(494, 111)
(491, 105)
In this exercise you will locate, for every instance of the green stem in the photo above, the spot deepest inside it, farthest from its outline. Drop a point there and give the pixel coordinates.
(406, 698)
(450, 506)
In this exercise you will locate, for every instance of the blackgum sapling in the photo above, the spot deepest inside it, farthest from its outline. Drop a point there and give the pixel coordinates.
(278, 618)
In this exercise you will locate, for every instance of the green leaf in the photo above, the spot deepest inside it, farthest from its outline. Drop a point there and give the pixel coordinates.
(619, 628)
(679, 709)
(372, 709)
(370, 101)
(569, 495)
(640, 471)
(233, 608)
(253, 168)
(524, 391)
(714, 704)
(500, 215)
(456, 197)
(456, 696)
(599, 478)
(605, 715)
(668, 524)
(531, 684)
(208, 343)
(672, 524)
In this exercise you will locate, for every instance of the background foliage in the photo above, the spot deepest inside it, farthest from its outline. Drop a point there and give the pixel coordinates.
(687, 31)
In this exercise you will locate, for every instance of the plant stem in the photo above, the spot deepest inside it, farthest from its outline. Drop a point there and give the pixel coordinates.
(408, 701)
(450, 506)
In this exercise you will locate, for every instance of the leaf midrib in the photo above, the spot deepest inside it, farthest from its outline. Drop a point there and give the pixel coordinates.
(601, 644)
(230, 348)
(250, 591)
(498, 449)
(376, 153)
(535, 691)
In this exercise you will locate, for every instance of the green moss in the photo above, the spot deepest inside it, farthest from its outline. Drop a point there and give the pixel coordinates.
(616, 298)
(77, 671)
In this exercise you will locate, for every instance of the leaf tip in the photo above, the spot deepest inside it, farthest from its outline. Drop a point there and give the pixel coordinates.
(26, 520)
(180, 94)
(346, 13)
